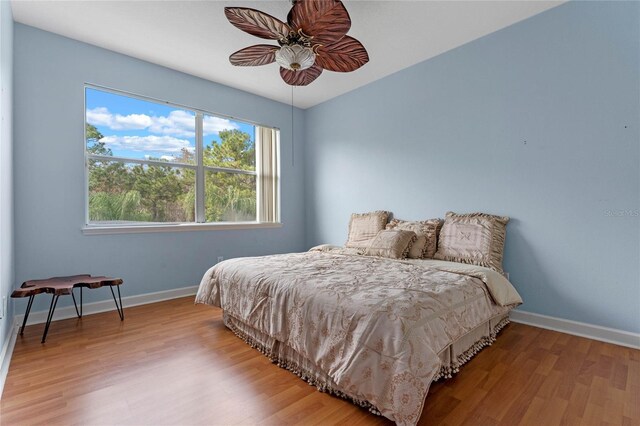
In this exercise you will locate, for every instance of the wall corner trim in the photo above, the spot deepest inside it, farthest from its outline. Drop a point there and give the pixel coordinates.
(590, 331)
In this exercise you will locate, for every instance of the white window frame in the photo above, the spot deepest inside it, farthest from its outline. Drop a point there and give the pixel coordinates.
(200, 169)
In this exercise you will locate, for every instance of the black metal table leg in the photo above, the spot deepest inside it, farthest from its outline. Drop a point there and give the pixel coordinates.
(52, 308)
(120, 308)
(78, 313)
(26, 314)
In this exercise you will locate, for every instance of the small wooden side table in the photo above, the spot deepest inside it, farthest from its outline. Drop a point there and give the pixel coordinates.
(58, 286)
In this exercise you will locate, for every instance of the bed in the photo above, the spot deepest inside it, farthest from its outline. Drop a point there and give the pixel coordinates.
(374, 330)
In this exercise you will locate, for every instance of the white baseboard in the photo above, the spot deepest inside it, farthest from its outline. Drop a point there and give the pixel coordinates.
(5, 355)
(108, 305)
(595, 332)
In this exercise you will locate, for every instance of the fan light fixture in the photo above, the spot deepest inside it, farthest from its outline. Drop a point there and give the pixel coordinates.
(295, 57)
(313, 39)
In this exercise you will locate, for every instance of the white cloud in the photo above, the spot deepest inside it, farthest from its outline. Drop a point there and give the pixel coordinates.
(178, 123)
(158, 144)
(102, 117)
(131, 121)
(213, 125)
(99, 116)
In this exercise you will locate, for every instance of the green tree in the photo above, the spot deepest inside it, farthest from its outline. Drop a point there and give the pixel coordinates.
(94, 146)
(188, 200)
(161, 189)
(230, 196)
(109, 195)
(152, 193)
(236, 150)
(104, 206)
(107, 177)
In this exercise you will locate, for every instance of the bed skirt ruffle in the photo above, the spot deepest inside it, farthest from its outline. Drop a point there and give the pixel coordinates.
(467, 346)
(452, 357)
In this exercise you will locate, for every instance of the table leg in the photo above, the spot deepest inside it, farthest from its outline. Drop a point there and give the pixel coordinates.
(78, 313)
(52, 308)
(26, 314)
(120, 308)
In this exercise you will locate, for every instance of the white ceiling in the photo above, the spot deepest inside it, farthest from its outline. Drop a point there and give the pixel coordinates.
(194, 36)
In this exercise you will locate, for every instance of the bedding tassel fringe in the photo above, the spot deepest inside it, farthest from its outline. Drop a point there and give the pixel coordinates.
(447, 371)
(305, 375)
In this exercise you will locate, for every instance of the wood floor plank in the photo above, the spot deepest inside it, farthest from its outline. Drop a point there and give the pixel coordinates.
(173, 363)
(544, 412)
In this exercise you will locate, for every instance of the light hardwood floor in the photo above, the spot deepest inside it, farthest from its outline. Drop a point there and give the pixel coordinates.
(173, 363)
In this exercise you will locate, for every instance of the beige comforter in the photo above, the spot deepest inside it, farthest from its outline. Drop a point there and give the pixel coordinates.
(375, 326)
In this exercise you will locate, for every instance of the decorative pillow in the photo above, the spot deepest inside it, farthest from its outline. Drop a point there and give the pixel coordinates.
(392, 243)
(363, 227)
(427, 236)
(475, 238)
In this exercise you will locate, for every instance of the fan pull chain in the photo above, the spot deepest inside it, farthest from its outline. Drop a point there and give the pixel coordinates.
(293, 158)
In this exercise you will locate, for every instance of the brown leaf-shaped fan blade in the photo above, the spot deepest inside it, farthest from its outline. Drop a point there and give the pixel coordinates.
(326, 20)
(257, 23)
(260, 54)
(346, 55)
(300, 78)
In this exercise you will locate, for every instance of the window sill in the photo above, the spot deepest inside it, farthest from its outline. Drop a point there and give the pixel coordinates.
(182, 227)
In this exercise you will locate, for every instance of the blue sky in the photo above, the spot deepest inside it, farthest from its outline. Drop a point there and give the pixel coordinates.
(134, 128)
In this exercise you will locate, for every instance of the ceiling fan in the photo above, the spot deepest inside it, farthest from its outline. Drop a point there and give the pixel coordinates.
(313, 39)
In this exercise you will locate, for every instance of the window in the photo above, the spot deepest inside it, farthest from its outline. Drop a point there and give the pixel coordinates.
(150, 163)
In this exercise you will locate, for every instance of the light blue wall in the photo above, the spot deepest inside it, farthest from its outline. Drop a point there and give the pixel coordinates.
(49, 175)
(6, 171)
(539, 122)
